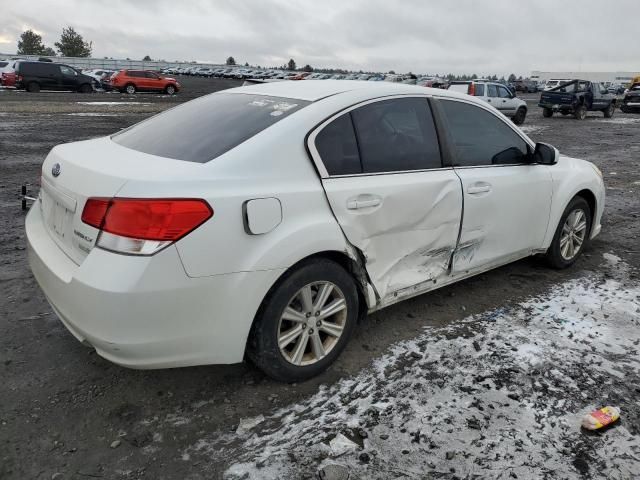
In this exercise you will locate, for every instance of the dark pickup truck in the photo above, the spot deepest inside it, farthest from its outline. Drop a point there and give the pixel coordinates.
(631, 102)
(576, 98)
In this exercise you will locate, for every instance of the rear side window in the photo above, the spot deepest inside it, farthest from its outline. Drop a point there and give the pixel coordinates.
(337, 146)
(492, 91)
(38, 69)
(481, 138)
(479, 92)
(203, 129)
(396, 135)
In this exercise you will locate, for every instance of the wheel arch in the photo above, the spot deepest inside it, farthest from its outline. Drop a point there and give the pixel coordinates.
(591, 200)
(353, 266)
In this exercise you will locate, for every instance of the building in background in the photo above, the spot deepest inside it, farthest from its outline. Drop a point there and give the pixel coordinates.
(623, 78)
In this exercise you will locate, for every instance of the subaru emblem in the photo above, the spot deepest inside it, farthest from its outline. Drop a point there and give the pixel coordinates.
(55, 171)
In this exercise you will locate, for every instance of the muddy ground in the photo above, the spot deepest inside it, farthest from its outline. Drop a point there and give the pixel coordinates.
(65, 413)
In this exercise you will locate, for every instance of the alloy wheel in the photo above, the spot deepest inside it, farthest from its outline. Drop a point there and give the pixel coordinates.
(312, 323)
(573, 234)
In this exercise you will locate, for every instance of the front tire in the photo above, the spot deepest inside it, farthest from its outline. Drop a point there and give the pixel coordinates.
(609, 111)
(547, 112)
(304, 322)
(520, 116)
(170, 89)
(85, 88)
(571, 235)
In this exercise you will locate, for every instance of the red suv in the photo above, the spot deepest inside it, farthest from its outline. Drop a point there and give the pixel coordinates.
(131, 81)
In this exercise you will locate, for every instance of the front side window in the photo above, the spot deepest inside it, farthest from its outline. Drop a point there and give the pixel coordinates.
(151, 75)
(396, 135)
(481, 138)
(203, 129)
(503, 92)
(70, 72)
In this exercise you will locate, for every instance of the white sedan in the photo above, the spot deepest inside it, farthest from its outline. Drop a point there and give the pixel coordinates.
(264, 220)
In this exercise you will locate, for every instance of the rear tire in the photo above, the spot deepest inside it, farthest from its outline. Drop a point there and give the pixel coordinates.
(560, 254)
(520, 116)
(580, 112)
(547, 113)
(610, 110)
(130, 89)
(33, 87)
(313, 349)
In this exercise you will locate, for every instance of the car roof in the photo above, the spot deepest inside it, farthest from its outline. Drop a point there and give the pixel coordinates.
(312, 90)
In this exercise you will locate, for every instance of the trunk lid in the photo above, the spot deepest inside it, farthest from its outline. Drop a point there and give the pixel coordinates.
(73, 172)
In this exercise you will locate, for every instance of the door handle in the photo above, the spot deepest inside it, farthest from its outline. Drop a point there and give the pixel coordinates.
(357, 203)
(479, 188)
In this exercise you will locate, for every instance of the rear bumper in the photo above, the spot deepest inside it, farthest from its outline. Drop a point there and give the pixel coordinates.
(556, 106)
(145, 312)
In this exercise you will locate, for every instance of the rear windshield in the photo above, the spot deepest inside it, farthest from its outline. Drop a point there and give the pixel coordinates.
(203, 129)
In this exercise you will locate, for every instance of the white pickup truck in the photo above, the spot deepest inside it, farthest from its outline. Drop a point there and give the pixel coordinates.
(494, 94)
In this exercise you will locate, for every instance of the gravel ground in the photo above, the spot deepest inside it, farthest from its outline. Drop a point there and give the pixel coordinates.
(66, 413)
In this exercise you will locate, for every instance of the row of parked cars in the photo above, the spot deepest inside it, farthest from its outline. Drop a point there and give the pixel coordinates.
(34, 76)
(259, 74)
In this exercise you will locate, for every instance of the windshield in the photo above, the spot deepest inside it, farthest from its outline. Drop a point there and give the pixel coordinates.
(203, 129)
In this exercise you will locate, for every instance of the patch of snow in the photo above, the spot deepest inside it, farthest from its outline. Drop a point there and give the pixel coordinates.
(621, 120)
(112, 103)
(495, 395)
(341, 445)
(612, 259)
(247, 424)
(93, 114)
(529, 129)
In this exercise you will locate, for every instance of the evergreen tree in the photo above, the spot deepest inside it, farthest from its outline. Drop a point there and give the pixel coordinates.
(30, 43)
(72, 44)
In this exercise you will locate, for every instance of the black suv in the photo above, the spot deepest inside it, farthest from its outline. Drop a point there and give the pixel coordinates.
(631, 102)
(33, 76)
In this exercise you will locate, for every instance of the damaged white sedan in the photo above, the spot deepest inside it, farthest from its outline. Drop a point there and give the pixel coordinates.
(264, 220)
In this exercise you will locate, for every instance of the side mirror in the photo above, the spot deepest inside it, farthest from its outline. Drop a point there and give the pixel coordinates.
(545, 154)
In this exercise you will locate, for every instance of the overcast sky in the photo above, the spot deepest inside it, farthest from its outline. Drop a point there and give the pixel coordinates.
(424, 36)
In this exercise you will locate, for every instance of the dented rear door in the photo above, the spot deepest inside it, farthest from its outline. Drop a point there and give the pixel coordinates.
(405, 224)
(382, 172)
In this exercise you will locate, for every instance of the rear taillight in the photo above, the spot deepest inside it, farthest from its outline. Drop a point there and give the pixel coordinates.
(143, 226)
(472, 89)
